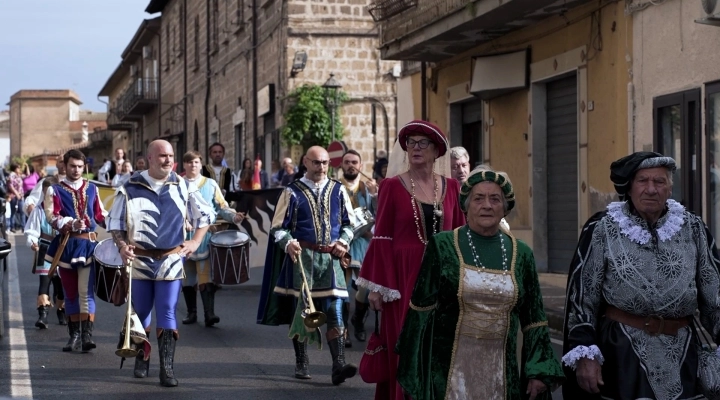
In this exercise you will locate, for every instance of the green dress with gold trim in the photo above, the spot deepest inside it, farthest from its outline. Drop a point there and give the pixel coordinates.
(459, 340)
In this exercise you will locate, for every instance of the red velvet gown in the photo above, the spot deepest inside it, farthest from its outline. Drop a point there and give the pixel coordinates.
(393, 259)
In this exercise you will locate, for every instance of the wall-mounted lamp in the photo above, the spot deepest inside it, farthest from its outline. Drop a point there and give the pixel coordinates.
(298, 63)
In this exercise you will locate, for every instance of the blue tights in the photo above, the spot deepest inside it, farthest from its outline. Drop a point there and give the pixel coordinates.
(161, 294)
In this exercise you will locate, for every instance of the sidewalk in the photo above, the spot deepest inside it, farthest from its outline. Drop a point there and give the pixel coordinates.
(553, 291)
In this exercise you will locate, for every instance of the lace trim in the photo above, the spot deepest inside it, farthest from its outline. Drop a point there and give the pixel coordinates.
(674, 221)
(387, 293)
(535, 325)
(418, 308)
(382, 237)
(378, 349)
(573, 356)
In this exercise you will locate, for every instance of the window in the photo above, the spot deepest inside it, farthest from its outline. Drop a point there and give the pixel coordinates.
(239, 21)
(167, 47)
(196, 44)
(215, 27)
(676, 125)
(239, 147)
(181, 32)
(173, 41)
(712, 133)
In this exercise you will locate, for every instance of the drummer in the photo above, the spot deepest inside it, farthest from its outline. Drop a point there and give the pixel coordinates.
(197, 266)
(363, 194)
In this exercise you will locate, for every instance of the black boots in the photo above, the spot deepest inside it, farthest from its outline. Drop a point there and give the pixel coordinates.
(166, 344)
(340, 370)
(191, 303)
(61, 316)
(302, 360)
(208, 299)
(142, 366)
(42, 321)
(358, 320)
(74, 331)
(86, 336)
(345, 316)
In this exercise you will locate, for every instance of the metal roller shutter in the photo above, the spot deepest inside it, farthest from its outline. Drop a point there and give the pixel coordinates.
(562, 159)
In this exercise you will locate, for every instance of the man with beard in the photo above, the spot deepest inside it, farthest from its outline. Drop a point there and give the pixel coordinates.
(363, 194)
(215, 170)
(73, 207)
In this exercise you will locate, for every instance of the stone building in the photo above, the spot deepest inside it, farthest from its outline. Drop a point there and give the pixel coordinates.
(226, 70)
(4, 137)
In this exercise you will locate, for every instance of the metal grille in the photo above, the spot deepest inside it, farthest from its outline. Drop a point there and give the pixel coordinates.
(381, 10)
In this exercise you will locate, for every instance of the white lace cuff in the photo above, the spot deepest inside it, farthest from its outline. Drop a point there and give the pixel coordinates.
(573, 356)
(387, 293)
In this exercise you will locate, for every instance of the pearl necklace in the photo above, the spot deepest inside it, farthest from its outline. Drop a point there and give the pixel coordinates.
(480, 266)
(416, 206)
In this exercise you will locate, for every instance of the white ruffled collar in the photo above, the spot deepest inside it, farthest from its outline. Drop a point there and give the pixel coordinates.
(636, 229)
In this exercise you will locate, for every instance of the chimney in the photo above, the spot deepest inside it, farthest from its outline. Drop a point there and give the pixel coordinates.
(85, 137)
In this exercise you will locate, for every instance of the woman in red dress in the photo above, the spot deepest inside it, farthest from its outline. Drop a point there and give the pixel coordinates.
(412, 206)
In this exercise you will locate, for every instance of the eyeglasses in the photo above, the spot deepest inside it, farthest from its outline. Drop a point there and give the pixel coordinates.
(318, 163)
(422, 143)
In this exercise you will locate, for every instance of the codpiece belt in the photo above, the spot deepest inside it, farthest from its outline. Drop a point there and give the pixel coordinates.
(157, 254)
(320, 248)
(653, 325)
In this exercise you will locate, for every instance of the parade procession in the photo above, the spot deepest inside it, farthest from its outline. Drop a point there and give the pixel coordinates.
(360, 199)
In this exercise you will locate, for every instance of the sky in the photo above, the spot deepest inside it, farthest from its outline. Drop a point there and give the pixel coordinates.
(64, 44)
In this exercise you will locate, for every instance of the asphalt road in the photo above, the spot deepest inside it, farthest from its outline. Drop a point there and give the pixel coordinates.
(235, 359)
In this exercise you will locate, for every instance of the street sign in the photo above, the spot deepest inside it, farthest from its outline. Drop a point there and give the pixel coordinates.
(336, 150)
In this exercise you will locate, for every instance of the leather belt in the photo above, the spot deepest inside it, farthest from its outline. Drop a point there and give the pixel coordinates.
(86, 235)
(157, 254)
(320, 248)
(653, 325)
(46, 237)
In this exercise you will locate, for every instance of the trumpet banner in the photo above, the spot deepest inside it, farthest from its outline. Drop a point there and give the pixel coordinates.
(138, 337)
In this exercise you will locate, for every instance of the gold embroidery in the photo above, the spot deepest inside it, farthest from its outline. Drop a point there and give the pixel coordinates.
(377, 350)
(310, 196)
(418, 308)
(535, 325)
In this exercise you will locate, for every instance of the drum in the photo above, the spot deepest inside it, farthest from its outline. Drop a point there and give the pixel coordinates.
(230, 257)
(364, 221)
(108, 270)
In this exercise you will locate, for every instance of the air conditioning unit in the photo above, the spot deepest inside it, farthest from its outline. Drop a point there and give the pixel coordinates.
(133, 71)
(147, 52)
(709, 7)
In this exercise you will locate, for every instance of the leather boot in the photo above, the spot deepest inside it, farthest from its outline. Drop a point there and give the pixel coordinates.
(208, 299)
(340, 370)
(42, 321)
(87, 330)
(166, 349)
(358, 320)
(142, 366)
(191, 303)
(61, 316)
(74, 331)
(346, 316)
(302, 360)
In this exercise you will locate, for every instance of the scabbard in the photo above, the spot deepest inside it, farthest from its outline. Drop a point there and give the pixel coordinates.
(58, 253)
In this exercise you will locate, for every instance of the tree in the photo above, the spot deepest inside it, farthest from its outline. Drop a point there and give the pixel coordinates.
(308, 121)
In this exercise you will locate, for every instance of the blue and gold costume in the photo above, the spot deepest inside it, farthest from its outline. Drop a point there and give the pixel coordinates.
(317, 215)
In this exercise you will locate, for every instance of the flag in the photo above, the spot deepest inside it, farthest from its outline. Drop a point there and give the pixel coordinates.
(256, 175)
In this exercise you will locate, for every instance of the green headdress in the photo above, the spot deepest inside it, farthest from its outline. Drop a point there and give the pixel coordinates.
(487, 175)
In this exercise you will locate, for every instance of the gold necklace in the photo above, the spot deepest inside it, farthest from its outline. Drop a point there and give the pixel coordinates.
(416, 207)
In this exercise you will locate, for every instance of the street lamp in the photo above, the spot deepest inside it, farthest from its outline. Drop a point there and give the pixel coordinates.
(331, 87)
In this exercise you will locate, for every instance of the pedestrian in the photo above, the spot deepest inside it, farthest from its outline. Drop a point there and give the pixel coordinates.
(460, 163)
(116, 164)
(39, 234)
(140, 164)
(246, 175)
(392, 262)
(363, 198)
(123, 176)
(641, 269)
(477, 288)
(16, 196)
(73, 207)
(147, 223)
(311, 230)
(36, 195)
(198, 270)
(289, 174)
(216, 170)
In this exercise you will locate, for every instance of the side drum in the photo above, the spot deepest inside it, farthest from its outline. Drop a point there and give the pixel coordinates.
(230, 257)
(108, 270)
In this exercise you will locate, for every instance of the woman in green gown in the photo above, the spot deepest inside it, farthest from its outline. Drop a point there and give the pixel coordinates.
(476, 288)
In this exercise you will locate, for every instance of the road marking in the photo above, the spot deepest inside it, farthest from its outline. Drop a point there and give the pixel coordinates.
(20, 382)
(556, 341)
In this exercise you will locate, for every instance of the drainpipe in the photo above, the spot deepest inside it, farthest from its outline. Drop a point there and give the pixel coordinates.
(423, 90)
(207, 80)
(254, 76)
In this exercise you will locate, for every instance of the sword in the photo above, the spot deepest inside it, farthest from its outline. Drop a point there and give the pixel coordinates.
(58, 253)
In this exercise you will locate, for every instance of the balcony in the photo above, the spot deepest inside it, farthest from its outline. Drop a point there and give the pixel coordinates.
(115, 124)
(100, 138)
(434, 30)
(139, 99)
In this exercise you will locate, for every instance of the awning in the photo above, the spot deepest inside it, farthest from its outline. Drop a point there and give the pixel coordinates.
(500, 74)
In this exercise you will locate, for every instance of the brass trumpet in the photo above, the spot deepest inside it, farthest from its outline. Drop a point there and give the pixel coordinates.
(311, 318)
(126, 351)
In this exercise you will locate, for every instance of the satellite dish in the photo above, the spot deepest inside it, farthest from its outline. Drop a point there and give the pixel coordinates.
(709, 6)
